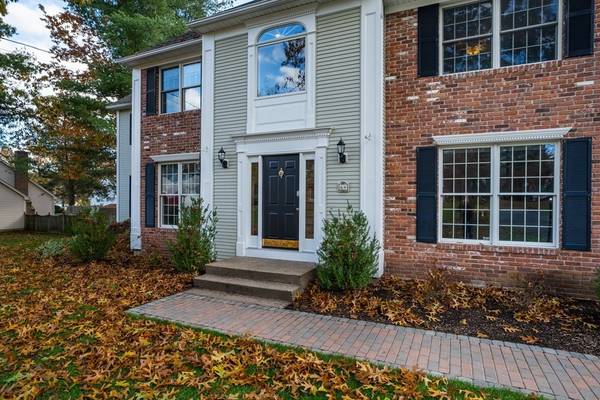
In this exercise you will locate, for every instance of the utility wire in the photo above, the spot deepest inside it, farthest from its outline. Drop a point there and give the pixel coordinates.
(26, 45)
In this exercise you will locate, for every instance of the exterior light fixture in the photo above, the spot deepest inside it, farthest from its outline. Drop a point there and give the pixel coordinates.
(341, 149)
(221, 155)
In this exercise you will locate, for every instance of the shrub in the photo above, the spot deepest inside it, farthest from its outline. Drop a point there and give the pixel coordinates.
(53, 248)
(348, 255)
(194, 245)
(93, 238)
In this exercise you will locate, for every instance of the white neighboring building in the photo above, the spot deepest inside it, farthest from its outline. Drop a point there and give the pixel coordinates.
(20, 195)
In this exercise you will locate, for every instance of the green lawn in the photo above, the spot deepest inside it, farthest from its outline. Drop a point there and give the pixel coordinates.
(65, 334)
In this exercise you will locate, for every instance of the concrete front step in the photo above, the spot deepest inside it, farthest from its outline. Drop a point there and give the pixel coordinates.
(282, 271)
(248, 287)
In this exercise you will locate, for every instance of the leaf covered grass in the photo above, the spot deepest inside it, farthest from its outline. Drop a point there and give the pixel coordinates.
(65, 334)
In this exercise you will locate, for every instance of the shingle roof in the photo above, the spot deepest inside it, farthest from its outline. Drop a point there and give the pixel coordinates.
(122, 103)
(184, 37)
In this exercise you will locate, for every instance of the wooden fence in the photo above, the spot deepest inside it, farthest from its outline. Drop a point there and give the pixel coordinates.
(59, 223)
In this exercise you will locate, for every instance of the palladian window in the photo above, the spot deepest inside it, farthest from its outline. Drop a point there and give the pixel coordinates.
(281, 60)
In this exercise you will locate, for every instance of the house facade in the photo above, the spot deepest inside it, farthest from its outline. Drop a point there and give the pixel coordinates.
(20, 195)
(464, 131)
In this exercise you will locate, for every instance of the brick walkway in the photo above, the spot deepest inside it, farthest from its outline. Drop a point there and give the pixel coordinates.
(484, 362)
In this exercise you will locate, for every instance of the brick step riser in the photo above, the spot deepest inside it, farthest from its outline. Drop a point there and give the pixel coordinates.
(301, 280)
(287, 295)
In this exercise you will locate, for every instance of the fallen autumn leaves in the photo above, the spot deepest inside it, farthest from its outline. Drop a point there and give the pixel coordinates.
(64, 334)
(441, 304)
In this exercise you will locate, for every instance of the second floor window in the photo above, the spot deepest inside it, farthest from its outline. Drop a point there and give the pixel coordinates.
(281, 60)
(527, 32)
(181, 88)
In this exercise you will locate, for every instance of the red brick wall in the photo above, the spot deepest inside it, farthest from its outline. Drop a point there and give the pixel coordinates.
(164, 134)
(532, 96)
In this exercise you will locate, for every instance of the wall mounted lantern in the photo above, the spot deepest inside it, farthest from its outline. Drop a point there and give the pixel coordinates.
(341, 149)
(222, 159)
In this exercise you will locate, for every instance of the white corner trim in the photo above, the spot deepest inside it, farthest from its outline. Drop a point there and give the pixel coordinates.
(207, 120)
(136, 160)
(372, 126)
(502, 137)
(175, 157)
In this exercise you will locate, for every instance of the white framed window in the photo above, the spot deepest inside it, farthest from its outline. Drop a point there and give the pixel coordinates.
(179, 183)
(497, 33)
(500, 194)
(281, 60)
(181, 87)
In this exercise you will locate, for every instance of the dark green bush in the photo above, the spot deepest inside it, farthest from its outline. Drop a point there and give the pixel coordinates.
(92, 237)
(349, 254)
(194, 245)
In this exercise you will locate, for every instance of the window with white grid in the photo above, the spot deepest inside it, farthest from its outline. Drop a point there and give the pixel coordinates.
(466, 193)
(499, 194)
(527, 193)
(179, 184)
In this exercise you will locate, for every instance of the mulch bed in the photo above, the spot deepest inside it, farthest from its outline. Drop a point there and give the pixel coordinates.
(527, 315)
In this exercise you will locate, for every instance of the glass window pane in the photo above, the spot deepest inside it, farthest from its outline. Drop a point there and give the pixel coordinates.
(310, 199)
(170, 102)
(169, 178)
(465, 217)
(281, 32)
(281, 68)
(170, 79)
(192, 75)
(190, 178)
(192, 99)
(254, 199)
(169, 210)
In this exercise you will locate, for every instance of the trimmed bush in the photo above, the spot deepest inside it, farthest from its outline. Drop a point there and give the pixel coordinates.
(93, 238)
(194, 245)
(349, 254)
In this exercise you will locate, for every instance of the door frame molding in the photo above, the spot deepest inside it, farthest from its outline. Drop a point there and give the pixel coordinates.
(309, 144)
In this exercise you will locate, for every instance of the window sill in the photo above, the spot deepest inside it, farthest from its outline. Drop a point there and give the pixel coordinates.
(508, 68)
(499, 248)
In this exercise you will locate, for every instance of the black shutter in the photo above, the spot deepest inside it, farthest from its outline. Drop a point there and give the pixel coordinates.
(427, 194)
(150, 195)
(428, 40)
(580, 27)
(577, 194)
(151, 89)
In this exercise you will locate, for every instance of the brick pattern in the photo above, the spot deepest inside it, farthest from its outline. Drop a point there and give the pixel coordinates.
(546, 95)
(164, 134)
(549, 372)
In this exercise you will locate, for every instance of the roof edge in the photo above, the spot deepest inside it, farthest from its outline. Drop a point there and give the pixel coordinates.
(6, 184)
(137, 58)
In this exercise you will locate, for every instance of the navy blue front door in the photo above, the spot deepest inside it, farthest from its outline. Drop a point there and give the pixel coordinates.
(281, 204)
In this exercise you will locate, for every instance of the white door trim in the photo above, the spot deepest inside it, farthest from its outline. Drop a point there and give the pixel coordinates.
(308, 144)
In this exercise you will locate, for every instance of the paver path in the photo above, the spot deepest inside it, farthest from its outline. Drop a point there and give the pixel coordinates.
(552, 373)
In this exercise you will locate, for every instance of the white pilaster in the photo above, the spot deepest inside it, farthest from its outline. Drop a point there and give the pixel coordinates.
(136, 160)
(207, 123)
(372, 129)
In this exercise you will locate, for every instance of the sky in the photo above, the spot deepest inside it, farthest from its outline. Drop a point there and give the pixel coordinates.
(25, 17)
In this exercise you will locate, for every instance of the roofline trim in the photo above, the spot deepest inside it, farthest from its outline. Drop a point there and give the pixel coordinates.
(129, 60)
(6, 184)
(118, 107)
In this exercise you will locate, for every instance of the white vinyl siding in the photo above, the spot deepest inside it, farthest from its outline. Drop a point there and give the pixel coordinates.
(124, 165)
(230, 110)
(12, 209)
(338, 100)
